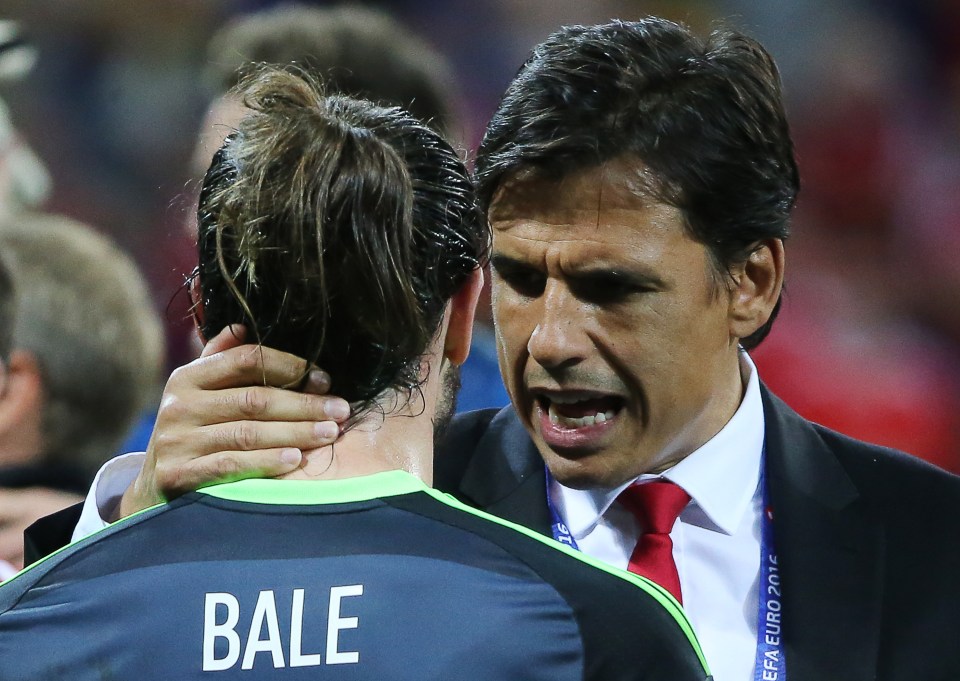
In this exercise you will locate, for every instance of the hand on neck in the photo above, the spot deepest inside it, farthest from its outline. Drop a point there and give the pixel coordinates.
(393, 436)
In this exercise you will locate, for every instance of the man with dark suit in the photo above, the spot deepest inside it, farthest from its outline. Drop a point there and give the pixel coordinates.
(639, 182)
(378, 576)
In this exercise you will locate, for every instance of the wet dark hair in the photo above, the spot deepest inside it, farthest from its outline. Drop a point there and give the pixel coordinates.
(337, 230)
(705, 116)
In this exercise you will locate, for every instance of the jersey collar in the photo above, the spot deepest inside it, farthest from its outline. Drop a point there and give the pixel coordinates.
(310, 492)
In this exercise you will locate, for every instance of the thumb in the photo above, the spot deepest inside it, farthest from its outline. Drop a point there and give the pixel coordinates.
(232, 336)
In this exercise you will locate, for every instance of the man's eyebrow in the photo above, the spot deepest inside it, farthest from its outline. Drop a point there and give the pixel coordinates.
(597, 272)
(636, 276)
(500, 261)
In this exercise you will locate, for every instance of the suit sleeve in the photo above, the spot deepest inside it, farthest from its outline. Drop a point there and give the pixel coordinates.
(50, 533)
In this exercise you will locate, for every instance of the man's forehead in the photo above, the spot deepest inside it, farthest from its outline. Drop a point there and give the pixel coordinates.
(621, 239)
(618, 185)
(598, 216)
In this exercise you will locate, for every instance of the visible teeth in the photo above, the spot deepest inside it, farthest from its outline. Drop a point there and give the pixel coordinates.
(571, 422)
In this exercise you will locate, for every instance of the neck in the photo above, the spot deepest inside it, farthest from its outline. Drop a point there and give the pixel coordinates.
(396, 434)
(400, 438)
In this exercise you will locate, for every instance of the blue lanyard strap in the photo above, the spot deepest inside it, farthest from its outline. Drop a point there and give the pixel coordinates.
(561, 532)
(770, 664)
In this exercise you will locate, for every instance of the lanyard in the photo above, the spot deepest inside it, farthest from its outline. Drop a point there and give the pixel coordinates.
(561, 532)
(770, 664)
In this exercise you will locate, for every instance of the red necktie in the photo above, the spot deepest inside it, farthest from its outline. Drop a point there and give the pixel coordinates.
(656, 506)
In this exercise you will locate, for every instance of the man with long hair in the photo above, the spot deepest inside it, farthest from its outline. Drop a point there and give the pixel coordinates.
(346, 234)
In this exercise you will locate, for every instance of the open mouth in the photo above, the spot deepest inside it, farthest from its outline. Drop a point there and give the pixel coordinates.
(572, 412)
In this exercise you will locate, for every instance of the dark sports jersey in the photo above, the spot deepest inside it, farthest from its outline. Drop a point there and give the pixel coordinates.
(375, 578)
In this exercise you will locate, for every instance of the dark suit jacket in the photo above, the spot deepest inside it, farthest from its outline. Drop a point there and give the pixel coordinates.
(868, 540)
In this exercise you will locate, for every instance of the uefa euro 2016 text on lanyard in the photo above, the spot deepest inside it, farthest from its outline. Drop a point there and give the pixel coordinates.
(770, 664)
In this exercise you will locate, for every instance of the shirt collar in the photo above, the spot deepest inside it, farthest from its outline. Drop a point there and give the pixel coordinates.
(721, 476)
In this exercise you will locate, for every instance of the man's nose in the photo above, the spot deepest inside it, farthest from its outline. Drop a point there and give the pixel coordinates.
(559, 339)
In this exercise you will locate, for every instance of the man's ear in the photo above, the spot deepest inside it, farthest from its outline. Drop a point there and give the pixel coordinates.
(756, 288)
(462, 308)
(23, 379)
(21, 408)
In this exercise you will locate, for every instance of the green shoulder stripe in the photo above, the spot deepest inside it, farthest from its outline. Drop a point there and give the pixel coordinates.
(661, 595)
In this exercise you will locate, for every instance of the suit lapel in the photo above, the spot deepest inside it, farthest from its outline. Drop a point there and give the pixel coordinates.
(830, 549)
(830, 552)
(505, 475)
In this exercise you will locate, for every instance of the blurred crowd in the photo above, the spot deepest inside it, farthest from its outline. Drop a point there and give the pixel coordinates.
(101, 101)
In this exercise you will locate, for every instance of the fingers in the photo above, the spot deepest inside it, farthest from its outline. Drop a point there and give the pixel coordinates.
(228, 466)
(254, 403)
(231, 363)
(252, 365)
(182, 459)
(230, 337)
(229, 415)
(249, 436)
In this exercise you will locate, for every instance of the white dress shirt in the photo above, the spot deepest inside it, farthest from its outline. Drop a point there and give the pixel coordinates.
(108, 486)
(716, 539)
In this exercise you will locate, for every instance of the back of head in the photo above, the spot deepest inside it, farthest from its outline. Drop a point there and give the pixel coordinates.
(337, 230)
(704, 120)
(84, 313)
(356, 51)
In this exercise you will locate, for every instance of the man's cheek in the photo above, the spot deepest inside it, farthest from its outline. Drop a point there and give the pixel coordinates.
(512, 357)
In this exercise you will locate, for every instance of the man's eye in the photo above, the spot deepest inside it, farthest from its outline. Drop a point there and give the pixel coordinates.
(604, 290)
(525, 282)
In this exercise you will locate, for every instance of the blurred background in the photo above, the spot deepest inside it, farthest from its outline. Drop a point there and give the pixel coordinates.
(869, 338)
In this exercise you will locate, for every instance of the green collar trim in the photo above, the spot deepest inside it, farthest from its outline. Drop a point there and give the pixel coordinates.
(310, 492)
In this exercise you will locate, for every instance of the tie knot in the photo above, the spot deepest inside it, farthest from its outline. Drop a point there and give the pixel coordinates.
(655, 504)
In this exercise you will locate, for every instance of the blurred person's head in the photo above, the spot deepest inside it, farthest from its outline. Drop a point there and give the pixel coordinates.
(639, 180)
(345, 233)
(86, 347)
(356, 51)
(361, 52)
